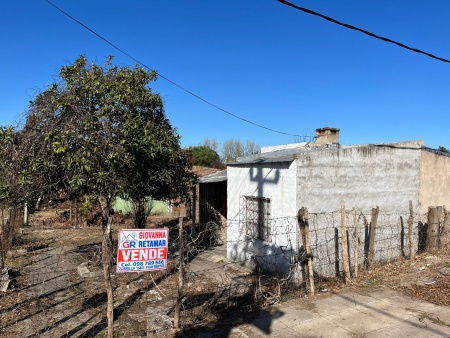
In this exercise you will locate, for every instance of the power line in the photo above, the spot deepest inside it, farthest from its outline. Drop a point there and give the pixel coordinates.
(287, 3)
(167, 79)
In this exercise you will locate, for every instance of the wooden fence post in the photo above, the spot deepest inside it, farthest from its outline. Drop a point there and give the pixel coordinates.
(440, 221)
(194, 211)
(303, 221)
(373, 227)
(443, 237)
(2, 242)
(176, 319)
(25, 214)
(76, 212)
(355, 223)
(344, 244)
(12, 227)
(411, 233)
(71, 211)
(433, 228)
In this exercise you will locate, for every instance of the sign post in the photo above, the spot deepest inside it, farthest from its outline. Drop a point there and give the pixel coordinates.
(142, 250)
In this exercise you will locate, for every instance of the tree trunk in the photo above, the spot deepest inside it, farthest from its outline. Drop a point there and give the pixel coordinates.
(140, 215)
(2, 246)
(39, 200)
(176, 318)
(106, 260)
(104, 205)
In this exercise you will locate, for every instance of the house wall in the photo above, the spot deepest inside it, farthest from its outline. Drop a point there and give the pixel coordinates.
(363, 176)
(434, 180)
(277, 182)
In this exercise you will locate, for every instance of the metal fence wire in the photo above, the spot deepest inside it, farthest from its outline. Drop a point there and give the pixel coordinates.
(56, 284)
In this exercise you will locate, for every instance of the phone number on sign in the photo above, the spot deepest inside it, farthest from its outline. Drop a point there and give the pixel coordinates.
(160, 264)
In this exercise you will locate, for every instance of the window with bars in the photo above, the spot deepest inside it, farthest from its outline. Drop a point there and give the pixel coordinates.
(256, 212)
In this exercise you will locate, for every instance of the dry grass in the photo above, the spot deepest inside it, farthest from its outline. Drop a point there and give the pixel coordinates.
(424, 277)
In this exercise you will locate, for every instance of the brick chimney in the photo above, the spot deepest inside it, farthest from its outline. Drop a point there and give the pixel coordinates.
(327, 135)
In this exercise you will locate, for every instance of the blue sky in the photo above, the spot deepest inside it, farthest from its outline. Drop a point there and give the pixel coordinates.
(261, 60)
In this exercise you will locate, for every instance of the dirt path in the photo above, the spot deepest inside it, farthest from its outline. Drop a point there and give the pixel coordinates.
(52, 298)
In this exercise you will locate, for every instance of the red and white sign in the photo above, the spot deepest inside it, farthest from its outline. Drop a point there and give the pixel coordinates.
(142, 250)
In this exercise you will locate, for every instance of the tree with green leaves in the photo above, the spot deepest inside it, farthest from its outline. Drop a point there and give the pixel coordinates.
(8, 188)
(7, 172)
(205, 156)
(102, 131)
(106, 134)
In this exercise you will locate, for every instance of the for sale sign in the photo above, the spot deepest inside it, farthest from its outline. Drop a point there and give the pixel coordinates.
(142, 250)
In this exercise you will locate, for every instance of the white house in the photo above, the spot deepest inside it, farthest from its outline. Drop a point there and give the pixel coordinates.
(265, 191)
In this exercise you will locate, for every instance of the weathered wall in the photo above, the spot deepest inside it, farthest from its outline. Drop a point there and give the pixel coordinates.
(434, 180)
(386, 175)
(362, 176)
(274, 181)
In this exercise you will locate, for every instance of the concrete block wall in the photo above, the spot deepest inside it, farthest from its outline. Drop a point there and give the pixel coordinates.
(391, 240)
(362, 176)
(386, 175)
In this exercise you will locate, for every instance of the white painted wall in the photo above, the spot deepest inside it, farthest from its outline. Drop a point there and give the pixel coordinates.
(274, 181)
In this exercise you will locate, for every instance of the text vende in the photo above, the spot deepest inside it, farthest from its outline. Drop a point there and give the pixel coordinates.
(142, 254)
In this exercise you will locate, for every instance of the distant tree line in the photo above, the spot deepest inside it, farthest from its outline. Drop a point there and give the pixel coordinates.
(206, 154)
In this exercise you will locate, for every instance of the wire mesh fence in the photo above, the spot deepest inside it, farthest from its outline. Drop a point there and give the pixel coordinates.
(57, 286)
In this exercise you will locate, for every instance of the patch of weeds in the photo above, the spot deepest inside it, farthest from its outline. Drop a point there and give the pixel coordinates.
(76, 289)
(371, 282)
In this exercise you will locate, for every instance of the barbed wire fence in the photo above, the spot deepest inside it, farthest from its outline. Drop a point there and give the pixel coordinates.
(391, 235)
(60, 291)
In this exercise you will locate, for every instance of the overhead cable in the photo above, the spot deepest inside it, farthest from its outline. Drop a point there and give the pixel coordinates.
(167, 79)
(287, 3)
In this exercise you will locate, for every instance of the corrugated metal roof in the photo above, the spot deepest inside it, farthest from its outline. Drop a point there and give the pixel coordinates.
(278, 156)
(263, 158)
(219, 176)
